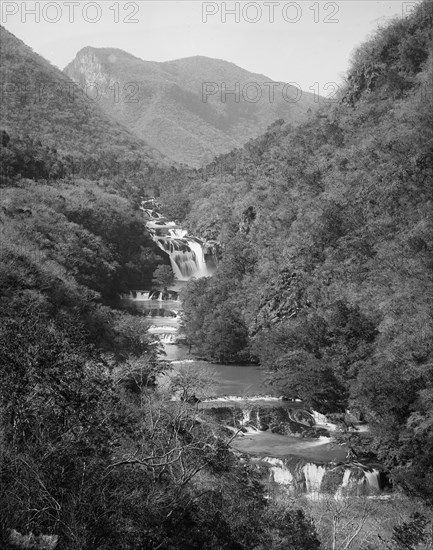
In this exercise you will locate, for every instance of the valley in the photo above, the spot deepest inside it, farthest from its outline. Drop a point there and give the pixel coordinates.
(216, 316)
(186, 108)
(236, 396)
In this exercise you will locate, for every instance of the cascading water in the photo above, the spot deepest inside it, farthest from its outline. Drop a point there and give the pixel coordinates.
(373, 479)
(187, 256)
(168, 338)
(344, 484)
(246, 422)
(313, 474)
(264, 414)
(279, 473)
(154, 295)
(315, 480)
(305, 460)
(263, 424)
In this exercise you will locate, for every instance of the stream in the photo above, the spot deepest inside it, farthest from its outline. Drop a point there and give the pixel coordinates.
(293, 442)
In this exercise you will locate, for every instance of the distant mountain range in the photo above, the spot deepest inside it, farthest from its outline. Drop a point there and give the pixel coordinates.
(114, 105)
(184, 108)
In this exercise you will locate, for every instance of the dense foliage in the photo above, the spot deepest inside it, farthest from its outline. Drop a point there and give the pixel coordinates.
(325, 279)
(86, 457)
(327, 243)
(91, 451)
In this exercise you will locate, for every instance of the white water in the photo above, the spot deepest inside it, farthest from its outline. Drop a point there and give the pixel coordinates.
(148, 296)
(308, 478)
(346, 478)
(321, 420)
(258, 398)
(188, 261)
(167, 333)
(246, 422)
(314, 475)
(279, 473)
(186, 253)
(373, 479)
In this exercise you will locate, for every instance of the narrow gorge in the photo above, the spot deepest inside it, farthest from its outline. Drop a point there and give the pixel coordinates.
(216, 298)
(291, 445)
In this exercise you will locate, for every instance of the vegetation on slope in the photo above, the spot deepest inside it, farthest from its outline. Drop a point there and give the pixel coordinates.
(41, 104)
(90, 450)
(327, 236)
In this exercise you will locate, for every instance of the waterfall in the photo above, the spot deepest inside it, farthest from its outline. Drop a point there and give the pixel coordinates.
(314, 475)
(197, 249)
(168, 338)
(280, 474)
(185, 264)
(186, 254)
(344, 484)
(246, 414)
(137, 295)
(322, 420)
(298, 476)
(246, 422)
(166, 333)
(373, 479)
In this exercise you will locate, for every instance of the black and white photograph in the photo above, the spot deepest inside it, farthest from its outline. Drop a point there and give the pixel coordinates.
(216, 275)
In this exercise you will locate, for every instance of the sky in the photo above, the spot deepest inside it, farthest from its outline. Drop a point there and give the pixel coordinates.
(304, 42)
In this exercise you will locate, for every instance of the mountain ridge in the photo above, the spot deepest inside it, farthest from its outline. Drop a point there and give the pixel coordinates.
(164, 102)
(38, 99)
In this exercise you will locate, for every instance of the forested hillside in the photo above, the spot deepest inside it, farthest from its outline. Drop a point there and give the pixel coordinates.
(324, 279)
(39, 103)
(326, 275)
(92, 453)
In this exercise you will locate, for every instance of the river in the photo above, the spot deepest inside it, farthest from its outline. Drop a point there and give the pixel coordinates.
(293, 441)
(164, 320)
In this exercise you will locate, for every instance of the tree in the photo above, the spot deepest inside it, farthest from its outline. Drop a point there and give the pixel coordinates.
(299, 374)
(163, 277)
(408, 534)
(191, 382)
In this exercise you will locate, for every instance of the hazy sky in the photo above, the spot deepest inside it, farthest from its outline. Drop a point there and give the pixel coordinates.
(303, 42)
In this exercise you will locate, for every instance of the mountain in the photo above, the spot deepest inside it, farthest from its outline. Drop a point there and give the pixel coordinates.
(180, 107)
(40, 101)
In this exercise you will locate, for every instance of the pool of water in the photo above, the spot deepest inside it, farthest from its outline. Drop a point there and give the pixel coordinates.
(164, 320)
(229, 380)
(271, 444)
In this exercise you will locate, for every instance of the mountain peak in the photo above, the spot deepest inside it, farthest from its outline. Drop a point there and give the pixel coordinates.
(184, 107)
